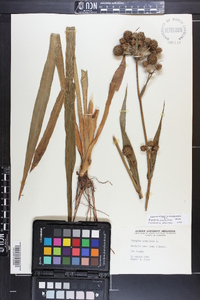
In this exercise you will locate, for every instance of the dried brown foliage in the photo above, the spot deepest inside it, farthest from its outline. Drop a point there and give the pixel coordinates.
(144, 50)
(83, 134)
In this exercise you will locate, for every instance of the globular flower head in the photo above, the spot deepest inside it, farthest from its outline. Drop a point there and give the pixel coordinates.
(122, 41)
(152, 59)
(147, 41)
(158, 50)
(158, 67)
(138, 45)
(142, 48)
(118, 50)
(145, 64)
(153, 45)
(141, 36)
(127, 35)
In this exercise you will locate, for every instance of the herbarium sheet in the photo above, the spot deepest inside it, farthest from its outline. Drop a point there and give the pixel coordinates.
(151, 238)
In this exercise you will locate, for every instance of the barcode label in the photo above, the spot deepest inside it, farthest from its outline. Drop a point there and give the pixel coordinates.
(16, 256)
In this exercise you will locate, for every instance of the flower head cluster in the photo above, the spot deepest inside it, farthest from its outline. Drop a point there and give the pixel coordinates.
(141, 48)
(153, 147)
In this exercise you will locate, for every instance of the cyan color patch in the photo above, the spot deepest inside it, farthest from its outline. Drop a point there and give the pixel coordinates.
(47, 241)
(47, 260)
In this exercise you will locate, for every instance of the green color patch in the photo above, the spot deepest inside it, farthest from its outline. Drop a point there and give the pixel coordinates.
(66, 261)
(85, 242)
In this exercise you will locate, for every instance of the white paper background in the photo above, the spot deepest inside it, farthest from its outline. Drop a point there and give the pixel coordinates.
(44, 195)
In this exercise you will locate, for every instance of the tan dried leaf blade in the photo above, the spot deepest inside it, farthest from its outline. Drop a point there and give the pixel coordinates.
(70, 147)
(153, 154)
(41, 148)
(41, 104)
(127, 147)
(114, 86)
(84, 84)
(85, 135)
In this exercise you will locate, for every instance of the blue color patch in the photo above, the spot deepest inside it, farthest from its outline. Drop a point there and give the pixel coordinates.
(95, 243)
(75, 261)
(47, 241)
(85, 252)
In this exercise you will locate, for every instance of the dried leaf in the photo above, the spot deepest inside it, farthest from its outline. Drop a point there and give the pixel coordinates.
(41, 148)
(70, 150)
(114, 86)
(40, 106)
(84, 84)
(144, 87)
(90, 123)
(90, 107)
(60, 64)
(155, 147)
(79, 105)
(126, 166)
(77, 137)
(127, 147)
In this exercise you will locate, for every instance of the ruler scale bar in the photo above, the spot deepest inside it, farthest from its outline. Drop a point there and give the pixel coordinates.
(129, 7)
(4, 209)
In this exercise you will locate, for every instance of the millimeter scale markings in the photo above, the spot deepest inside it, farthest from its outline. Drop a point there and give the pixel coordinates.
(4, 209)
(129, 7)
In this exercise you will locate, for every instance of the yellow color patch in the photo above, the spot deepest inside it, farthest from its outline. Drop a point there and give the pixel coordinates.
(67, 242)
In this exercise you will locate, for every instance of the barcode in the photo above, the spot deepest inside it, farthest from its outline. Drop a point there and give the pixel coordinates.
(17, 256)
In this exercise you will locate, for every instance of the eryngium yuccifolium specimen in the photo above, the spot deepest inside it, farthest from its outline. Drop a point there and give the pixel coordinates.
(141, 48)
(145, 52)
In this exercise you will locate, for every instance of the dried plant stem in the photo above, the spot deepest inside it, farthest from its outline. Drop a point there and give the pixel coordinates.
(144, 87)
(145, 136)
(127, 168)
(148, 193)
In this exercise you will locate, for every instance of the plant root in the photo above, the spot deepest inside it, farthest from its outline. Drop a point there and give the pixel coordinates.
(85, 187)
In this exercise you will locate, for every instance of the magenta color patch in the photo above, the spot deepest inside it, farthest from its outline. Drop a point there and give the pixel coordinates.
(57, 241)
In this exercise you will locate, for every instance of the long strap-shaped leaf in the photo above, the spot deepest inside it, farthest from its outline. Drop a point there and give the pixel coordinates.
(79, 107)
(70, 150)
(155, 147)
(127, 147)
(41, 148)
(40, 106)
(84, 84)
(114, 86)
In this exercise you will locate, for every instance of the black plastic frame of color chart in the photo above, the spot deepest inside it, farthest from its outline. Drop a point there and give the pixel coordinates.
(128, 287)
(42, 226)
(72, 274)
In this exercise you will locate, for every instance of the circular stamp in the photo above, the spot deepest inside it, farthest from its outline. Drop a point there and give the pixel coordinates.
(173, 30)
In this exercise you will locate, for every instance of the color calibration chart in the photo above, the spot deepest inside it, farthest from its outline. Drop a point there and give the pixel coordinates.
(70, 260)
(72, 247)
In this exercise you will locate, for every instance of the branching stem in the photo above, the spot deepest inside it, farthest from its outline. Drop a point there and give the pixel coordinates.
(145, 136)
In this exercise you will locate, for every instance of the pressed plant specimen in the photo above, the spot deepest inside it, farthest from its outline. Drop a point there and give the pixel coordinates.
(145, 52)
(87, 135)
(82, 134)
